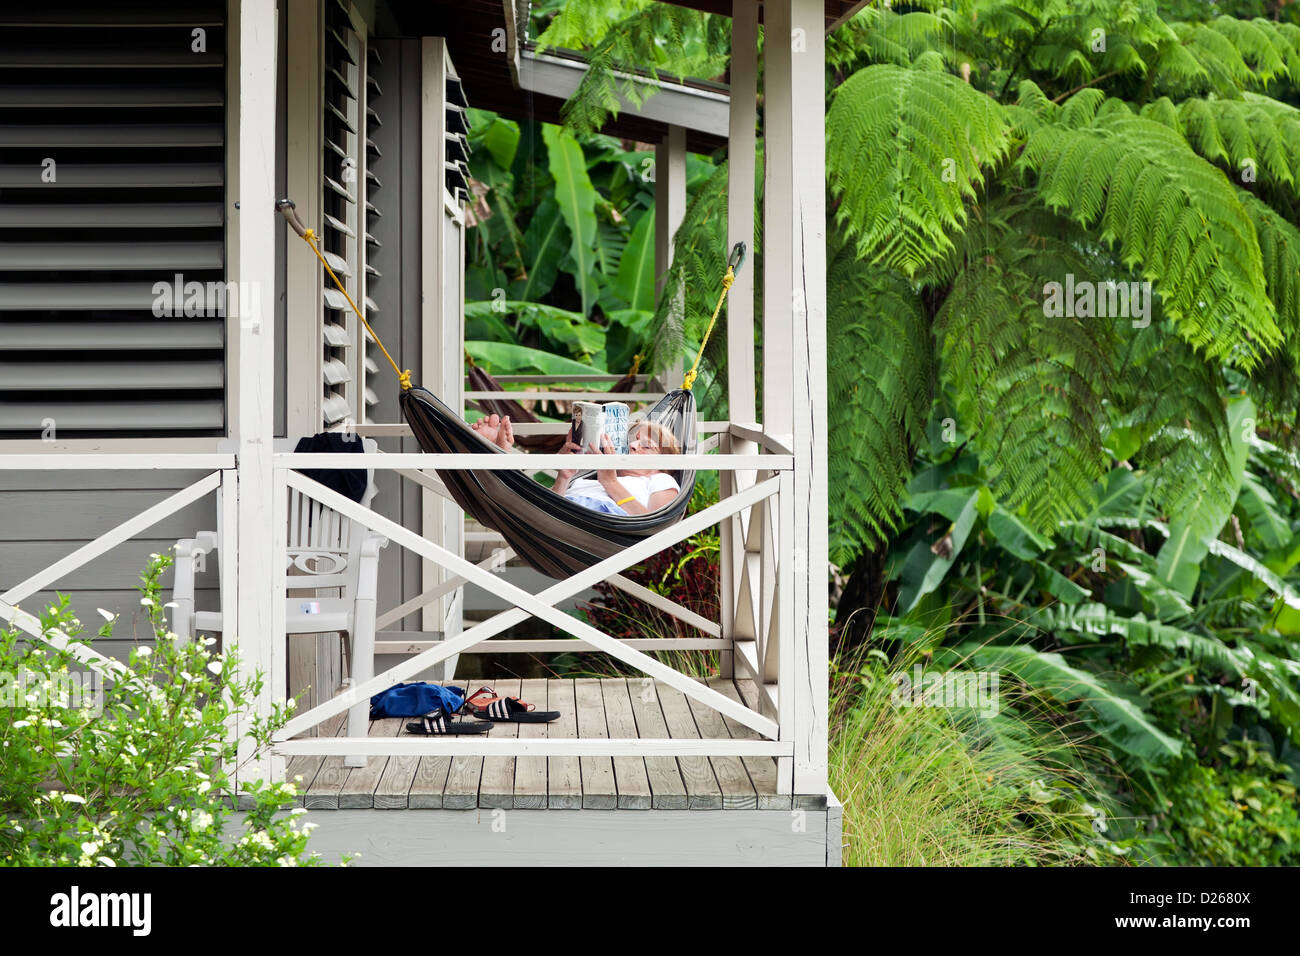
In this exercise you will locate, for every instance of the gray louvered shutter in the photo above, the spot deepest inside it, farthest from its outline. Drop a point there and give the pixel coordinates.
(371, 277)
(112, 182)
(343, 229)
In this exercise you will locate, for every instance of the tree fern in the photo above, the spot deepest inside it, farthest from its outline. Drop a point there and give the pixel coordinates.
(1173, 216)
(904, 152)
(879, 368)
(1029, 387)
(1254, 137)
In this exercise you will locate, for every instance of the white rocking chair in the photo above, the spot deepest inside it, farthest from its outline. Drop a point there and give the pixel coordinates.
(325, 551)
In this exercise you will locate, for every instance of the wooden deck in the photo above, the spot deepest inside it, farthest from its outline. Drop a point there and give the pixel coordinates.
(589, 708)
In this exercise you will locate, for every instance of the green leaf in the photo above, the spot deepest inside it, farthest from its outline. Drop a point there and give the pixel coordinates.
(1190, 534)
(924, 570)
(544, 247)
(501, 139)
(1114, 716)
(635, 282)
(505, 359)
(577, 201)
(1015, 536)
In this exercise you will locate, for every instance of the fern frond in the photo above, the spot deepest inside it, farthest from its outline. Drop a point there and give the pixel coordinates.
(904, 151)
(880, 370)
(650, 38)
(1173, 215)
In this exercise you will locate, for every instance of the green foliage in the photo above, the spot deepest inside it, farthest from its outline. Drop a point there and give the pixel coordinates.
(946, 786)
(901, 206)
(628, 38)
(142, 775)
(1173, 215)
(1241, 812)
(879, 371)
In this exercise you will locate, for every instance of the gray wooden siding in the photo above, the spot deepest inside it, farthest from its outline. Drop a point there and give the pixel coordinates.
(46, 516)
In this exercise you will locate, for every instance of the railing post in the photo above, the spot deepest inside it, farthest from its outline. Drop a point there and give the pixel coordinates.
(791, 687)
(253, 260)
(794, 235)
(726, 568)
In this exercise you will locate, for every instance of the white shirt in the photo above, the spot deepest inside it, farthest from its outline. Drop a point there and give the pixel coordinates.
(640, 487)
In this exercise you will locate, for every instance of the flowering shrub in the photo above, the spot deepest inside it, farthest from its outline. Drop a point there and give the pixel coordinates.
(141, 774)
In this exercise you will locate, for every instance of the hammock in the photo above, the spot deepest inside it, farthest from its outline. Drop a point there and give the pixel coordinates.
(555, 536)
(543, 444)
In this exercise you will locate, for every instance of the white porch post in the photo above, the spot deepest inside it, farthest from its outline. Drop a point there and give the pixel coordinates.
(442, 362)
(670, 207)
(259, 626)
(794, 355)
(743, 116)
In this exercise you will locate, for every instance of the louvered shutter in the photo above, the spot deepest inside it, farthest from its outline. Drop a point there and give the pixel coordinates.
(371, 277)
(112, 181)
(343, 230)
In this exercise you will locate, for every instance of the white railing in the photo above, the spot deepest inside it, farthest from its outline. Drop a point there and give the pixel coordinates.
(755, 515)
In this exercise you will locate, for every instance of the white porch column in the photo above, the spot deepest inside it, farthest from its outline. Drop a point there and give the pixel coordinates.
(794, 354)
(670, 207)
(740, 207)
(743, 117)
(259, 626)
(442, 339)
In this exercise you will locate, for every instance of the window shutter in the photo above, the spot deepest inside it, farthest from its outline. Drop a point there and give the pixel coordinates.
(112, 233)
(342, 193)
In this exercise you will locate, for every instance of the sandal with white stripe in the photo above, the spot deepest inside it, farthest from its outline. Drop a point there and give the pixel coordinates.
(436, 724)
(486, 705)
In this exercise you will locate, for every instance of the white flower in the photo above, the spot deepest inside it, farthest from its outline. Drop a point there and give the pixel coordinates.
(202, 820)
(171, 604)
(73, 798)
(89, 848)
(214, 667)
(107, 861)
(144, 650)
(107, 615)
(19, 724)
(147, 602)
(209, 641)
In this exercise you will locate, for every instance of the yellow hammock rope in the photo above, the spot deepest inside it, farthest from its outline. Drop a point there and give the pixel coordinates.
(689, 381)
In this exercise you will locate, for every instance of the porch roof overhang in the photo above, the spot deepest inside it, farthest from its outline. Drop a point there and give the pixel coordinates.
(522, 84)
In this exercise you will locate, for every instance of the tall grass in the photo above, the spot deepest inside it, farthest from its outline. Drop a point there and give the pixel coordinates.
(934, 786)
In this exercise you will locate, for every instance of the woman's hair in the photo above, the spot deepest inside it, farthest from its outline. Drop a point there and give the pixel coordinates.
(661, 436)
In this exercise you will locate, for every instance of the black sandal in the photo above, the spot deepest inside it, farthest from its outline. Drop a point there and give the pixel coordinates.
(486, 705)
(436, 724)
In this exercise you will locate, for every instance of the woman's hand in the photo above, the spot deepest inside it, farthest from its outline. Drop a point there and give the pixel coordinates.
(566, 474)
(607, 475)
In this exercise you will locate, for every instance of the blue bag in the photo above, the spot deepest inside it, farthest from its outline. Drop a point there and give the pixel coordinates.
(415, 700)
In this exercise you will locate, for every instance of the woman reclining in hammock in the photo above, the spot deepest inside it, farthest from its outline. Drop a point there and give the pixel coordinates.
(632, 491)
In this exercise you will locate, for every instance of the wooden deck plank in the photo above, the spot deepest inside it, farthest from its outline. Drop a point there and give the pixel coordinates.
(563, 774)
(461, 792)
(629, 772)
(307, 766)
(530, 772)
(430, 780)
(667, 791)
(497, 786)
(702, 790)
(323, 794)
(737, 791)
(598, 788)
(762, 770)
(358, 791)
